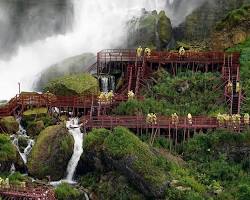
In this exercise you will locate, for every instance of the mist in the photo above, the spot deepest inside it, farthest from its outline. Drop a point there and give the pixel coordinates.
(96, 25)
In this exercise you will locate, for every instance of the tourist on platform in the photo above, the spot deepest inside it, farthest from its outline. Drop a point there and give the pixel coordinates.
(238, 88)
(175, 119)
(182, 51)
(246, 119)
(190, 120)
(229, 87)
(139, 51)
(147, 52)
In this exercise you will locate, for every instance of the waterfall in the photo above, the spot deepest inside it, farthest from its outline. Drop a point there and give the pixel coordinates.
(112, 83)
(104, 84)
(107, 83)
(98, 24)
(75, 131)
(30, 142)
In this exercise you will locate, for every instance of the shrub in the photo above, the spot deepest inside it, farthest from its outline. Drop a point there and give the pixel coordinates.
(7, 150)
(66, 192)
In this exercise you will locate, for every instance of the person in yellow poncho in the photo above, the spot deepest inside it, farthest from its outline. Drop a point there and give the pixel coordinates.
(147, 52)
(139, 51)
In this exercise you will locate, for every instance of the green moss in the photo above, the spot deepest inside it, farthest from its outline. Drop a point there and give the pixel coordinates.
(35, 120)
(66, 192)
(9, 124)
(51, 153)
(122, 143)
(164, 29)
(110, 185)
(95, 138)
(36, 111)
(70, 85)
(234, 18)
(7, 150)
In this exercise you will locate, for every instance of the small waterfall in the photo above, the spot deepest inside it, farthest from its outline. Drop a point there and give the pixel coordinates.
(74, 129)
(12, 168)
(107, 83)
(30, 143)
(112, 83)
(104, 84)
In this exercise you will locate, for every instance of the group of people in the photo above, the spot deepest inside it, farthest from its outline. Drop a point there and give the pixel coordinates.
(235, 119)
(229, 87)
(139, 52)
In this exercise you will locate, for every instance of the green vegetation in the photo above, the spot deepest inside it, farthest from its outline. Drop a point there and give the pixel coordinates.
(244, 49)
(66, 192)
(35, 120)
(36, 112)
(217, 167)
(71, 85)
(51, 153)
(110, 185)
(7, 150)
(183, 94)
(121, 144)
(95, 139)
(234, 18)
(9, 124)
(151, 30)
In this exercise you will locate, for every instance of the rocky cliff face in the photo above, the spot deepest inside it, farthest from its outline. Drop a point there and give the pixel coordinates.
(151, 29)
(200, 23)
(23, 21)
(232, 30)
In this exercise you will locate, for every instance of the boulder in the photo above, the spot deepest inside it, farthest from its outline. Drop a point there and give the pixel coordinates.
(51, 153)
(199, 25)
(35, 120)
(73, 85)
(72, 65)
(150, 30)
(9, 124)
(122, 151)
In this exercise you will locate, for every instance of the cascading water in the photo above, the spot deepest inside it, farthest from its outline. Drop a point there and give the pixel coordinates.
(75, 131)
(107, 83)
(30, 142)
(98, 24)
(104, 84)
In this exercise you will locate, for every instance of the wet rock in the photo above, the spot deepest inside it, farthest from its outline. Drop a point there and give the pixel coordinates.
(9, 125)
(51, 153)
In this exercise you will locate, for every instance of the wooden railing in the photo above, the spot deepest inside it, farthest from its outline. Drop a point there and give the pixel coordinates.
(140, 122)
(34, 193)
(121, 55)
(22, 101)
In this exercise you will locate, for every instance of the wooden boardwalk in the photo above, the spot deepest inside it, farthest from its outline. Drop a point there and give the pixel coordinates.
(163, 122)
(26, 193)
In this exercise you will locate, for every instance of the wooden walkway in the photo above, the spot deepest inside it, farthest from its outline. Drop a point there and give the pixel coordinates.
(18, 104)
(26, 193)
(163, 122)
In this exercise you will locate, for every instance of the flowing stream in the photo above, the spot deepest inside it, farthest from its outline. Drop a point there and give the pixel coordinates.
(74, 130)
(21, 135)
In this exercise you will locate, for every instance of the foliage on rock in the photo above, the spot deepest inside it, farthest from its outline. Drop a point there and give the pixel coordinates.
(9, 124)
(51, 153)
(73, 85)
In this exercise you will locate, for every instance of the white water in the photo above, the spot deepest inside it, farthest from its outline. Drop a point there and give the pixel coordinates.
(98, 24)
(27, 150)
(74, 129)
